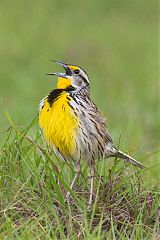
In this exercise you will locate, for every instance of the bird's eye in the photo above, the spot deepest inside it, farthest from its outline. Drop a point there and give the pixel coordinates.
(76, 71)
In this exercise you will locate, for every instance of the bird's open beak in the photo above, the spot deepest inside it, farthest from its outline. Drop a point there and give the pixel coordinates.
(66, 68)
(62, 75)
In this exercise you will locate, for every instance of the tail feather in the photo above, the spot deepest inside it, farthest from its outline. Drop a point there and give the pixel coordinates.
(129, 159)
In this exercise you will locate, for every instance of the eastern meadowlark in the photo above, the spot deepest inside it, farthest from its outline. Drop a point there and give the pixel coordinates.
(73, 125)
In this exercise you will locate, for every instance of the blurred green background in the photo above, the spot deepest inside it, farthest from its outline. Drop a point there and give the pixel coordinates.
(116, 42)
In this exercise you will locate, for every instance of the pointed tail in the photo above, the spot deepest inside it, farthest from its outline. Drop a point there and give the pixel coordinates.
(129, 159)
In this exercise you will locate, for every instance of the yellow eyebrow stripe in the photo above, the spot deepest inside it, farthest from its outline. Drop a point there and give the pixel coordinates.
(73, 67)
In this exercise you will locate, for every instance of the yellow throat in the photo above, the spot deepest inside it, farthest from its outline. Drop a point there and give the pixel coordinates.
(63, 83)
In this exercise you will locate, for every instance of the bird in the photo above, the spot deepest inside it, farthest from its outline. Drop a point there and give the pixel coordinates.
(74, 127)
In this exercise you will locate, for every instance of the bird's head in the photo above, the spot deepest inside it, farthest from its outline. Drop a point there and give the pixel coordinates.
(74, 79)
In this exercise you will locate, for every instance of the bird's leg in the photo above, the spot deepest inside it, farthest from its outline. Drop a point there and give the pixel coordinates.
(77, 170)
(91, 185)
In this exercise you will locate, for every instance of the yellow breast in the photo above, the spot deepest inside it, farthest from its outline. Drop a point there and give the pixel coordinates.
(59, 123)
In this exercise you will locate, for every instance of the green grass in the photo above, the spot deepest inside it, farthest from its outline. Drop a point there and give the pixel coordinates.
(34, 182)
(116, 42)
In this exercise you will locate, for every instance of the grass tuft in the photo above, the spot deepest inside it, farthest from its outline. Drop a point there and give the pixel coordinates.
(33, 185)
